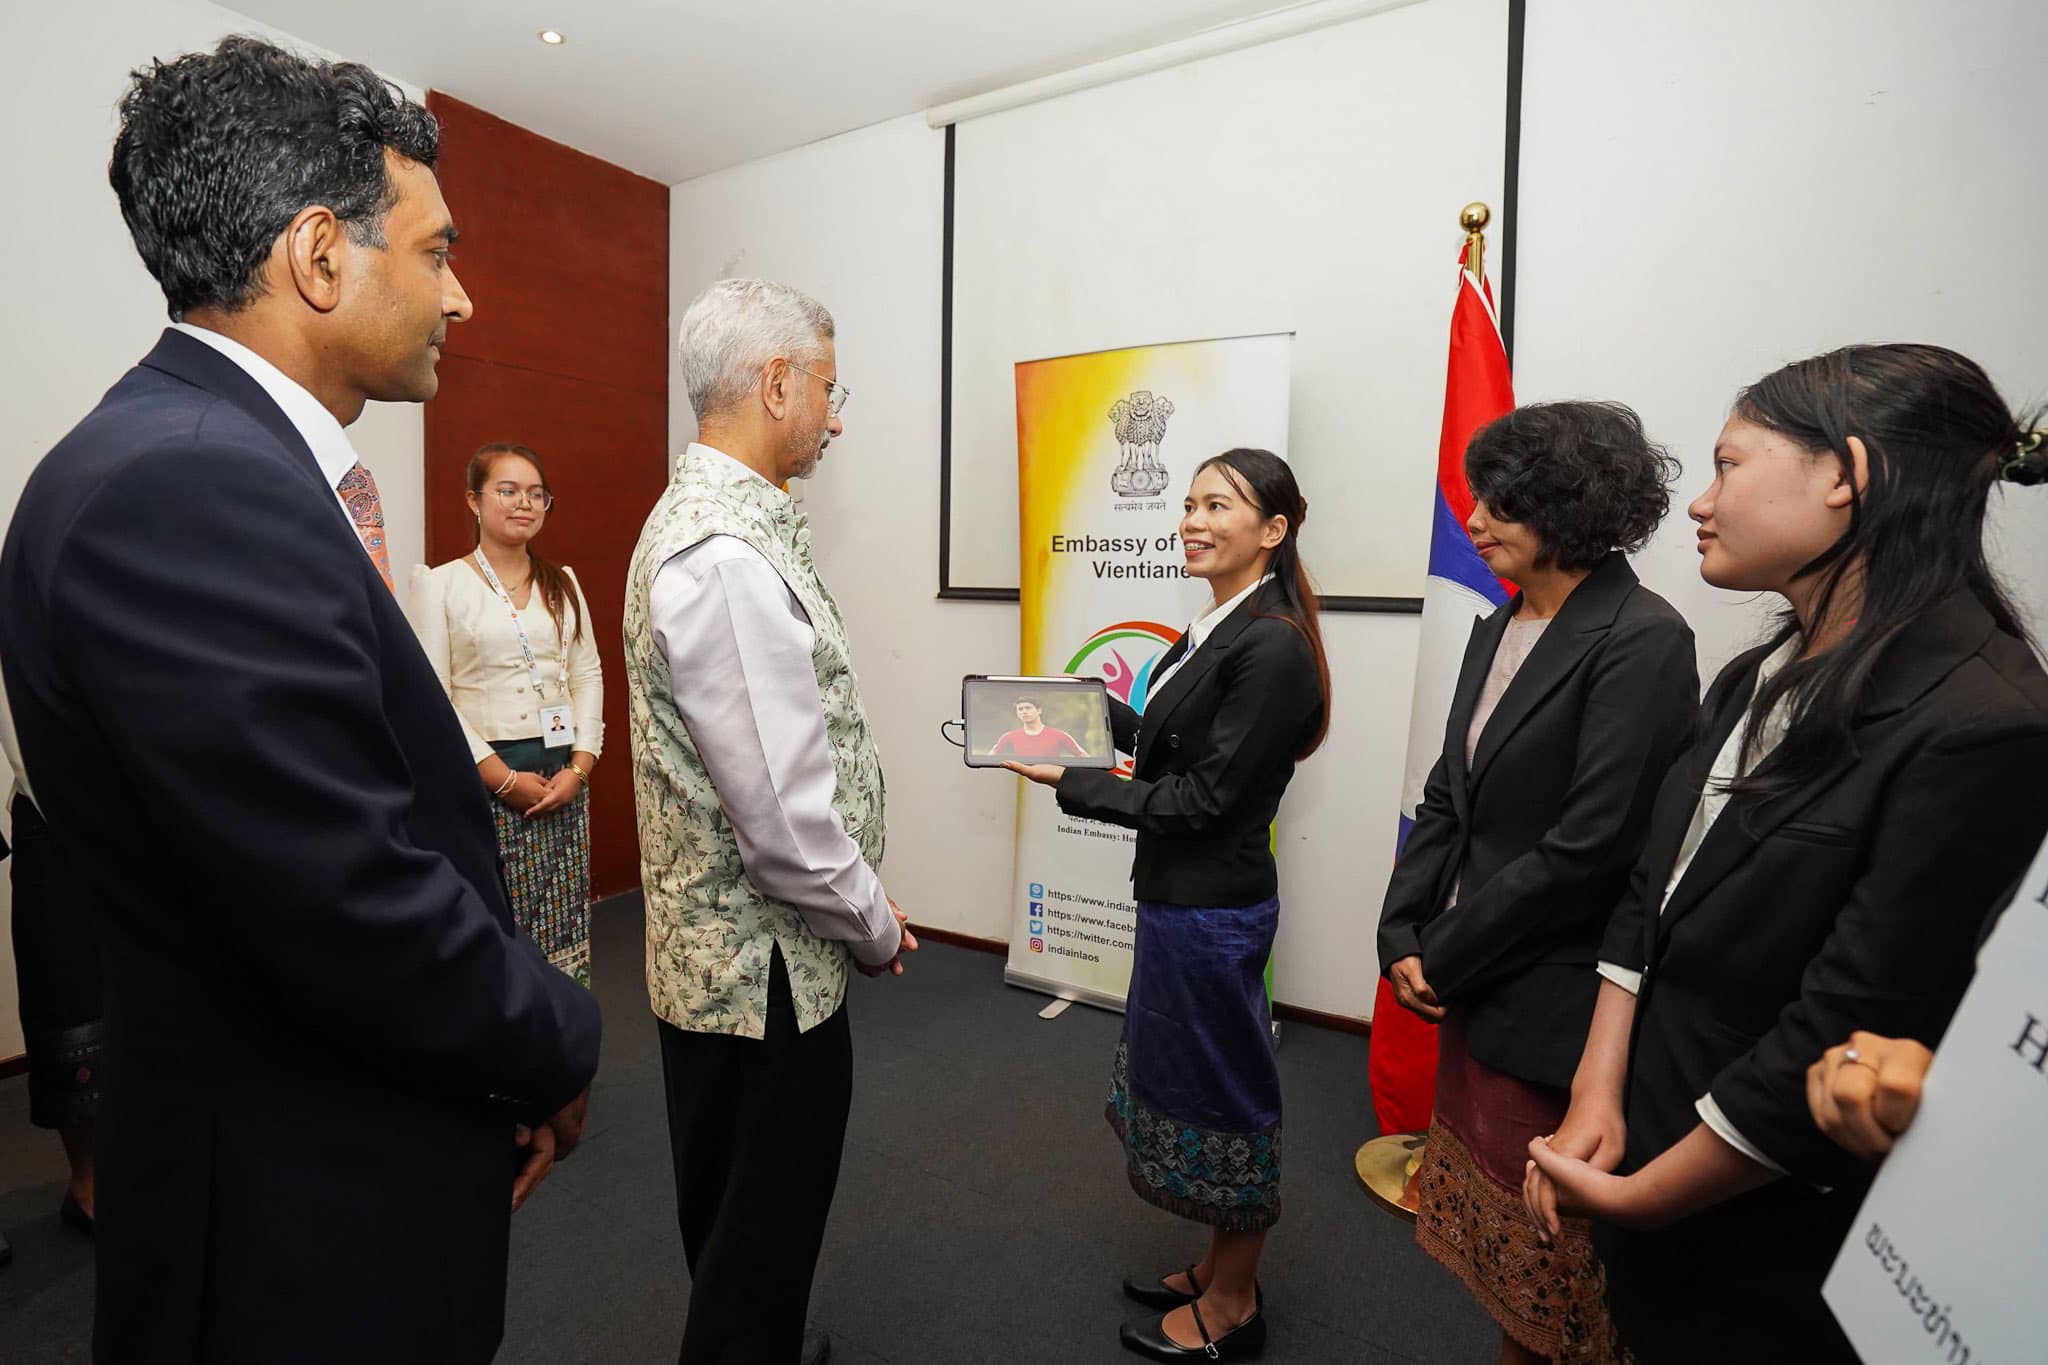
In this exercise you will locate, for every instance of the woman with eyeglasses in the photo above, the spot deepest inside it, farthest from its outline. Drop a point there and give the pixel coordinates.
(509, 634)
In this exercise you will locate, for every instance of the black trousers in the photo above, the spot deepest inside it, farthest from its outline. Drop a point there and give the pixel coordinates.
(57, 970)
(756, 1127)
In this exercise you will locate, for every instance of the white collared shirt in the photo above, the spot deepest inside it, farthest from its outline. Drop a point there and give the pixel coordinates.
(308, 415)
(1203, 627)
(1728, 766)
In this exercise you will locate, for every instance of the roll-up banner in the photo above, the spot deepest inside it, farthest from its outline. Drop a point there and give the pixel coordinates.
(1106, 445)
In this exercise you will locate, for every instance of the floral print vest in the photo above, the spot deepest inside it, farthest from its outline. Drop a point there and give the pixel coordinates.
(710, 934)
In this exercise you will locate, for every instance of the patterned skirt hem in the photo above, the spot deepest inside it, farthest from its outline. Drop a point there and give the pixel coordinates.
(1234, 1218)
(1465, 1210)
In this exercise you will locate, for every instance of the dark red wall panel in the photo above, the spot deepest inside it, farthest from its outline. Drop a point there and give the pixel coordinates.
(566, 260)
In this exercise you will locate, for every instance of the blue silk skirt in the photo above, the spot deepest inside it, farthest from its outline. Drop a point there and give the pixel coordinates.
(1195, 1094)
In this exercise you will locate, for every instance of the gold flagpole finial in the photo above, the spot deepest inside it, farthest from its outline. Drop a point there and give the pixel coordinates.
(1473, 218)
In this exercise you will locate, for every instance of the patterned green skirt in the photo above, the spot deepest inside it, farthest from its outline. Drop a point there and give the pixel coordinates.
(547, 863)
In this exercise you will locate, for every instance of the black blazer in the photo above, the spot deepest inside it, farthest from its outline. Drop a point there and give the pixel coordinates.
(1547, 823)
(1214, 753)
(324, 1022)
(1854, 902)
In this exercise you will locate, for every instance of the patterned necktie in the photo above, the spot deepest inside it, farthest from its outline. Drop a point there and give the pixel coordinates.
(359, 491)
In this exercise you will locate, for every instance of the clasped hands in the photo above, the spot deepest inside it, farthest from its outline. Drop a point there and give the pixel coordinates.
(533, 795)
(1571, 1172)
(894, 966)
(1412, 991)
(546, 1144)
(1861, 1094)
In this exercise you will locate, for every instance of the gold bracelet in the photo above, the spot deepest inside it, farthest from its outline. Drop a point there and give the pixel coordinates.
(577, 768)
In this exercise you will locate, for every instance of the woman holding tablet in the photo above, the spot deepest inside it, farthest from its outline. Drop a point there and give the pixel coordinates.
(1866, 783)
(1234, 705)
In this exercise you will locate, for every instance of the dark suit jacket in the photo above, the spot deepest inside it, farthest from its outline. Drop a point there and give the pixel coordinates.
(1546, 824)
(325, 1023)
(1854, 902)
(1214, 753)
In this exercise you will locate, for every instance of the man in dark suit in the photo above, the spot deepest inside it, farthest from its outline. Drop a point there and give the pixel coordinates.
(331, 1036)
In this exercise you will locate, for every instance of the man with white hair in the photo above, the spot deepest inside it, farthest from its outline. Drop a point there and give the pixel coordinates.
(759, 794)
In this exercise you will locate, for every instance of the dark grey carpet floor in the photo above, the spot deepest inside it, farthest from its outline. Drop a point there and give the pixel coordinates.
(982, 1211)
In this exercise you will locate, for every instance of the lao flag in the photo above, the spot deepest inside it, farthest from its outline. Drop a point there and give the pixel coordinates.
(1402, 1062)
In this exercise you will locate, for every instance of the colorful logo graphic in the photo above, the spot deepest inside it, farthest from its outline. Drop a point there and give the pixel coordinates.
(1037, 945)
(1038, 891)
(1123, 656)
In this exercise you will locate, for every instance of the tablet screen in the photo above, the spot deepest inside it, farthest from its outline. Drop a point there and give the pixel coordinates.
(1037, 720)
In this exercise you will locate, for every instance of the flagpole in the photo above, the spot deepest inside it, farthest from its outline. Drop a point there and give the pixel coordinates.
(1473, 218)
(1388, 1166)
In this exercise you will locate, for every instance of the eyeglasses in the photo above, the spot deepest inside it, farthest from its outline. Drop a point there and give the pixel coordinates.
(836, 393)
(539, 497)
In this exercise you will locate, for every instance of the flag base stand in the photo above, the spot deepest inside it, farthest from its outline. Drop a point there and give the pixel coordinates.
(1387, 1168)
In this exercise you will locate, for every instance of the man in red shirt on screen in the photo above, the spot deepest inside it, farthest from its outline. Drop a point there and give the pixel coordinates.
(1034, 738)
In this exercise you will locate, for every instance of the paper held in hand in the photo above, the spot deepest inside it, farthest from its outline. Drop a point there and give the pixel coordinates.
(1945, 1263)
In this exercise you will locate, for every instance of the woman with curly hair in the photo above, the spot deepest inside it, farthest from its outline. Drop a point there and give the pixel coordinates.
(1573, 700)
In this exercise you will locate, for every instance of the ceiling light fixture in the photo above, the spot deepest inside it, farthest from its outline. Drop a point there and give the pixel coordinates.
(551, 38)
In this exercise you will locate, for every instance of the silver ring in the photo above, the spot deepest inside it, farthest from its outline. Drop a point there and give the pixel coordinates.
(1850, 1054)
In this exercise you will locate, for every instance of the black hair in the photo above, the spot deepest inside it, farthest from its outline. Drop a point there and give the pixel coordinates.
(218, 152)
(1582, 476)
(1016, 702)
(1269, 483)
(1937, 436)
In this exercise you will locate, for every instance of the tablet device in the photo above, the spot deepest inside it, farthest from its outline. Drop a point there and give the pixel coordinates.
(1036, 720)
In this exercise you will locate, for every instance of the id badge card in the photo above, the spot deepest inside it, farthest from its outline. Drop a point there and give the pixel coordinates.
(557, 727)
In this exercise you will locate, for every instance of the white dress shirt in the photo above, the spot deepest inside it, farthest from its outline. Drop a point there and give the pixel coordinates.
(309, 417)
(1728, 766)
(738, 645)
(470, 639)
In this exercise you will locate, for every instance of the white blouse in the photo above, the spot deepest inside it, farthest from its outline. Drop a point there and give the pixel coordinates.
(470, 639)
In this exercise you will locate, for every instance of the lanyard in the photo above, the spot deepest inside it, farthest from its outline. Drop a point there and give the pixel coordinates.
(525, 646)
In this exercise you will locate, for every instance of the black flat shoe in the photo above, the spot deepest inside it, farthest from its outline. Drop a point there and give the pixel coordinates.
(74, 1215)
(1157, 1295)
(1243, 1342)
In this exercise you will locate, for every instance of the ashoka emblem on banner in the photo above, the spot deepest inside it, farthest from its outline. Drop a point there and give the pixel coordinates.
(1140, 422)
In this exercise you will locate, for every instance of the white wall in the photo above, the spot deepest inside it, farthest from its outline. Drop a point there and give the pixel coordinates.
(81, 309)
(1706, 193)
(1709, 191)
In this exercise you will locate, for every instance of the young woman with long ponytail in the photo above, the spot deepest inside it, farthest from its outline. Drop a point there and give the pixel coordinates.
(1195, 1097)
